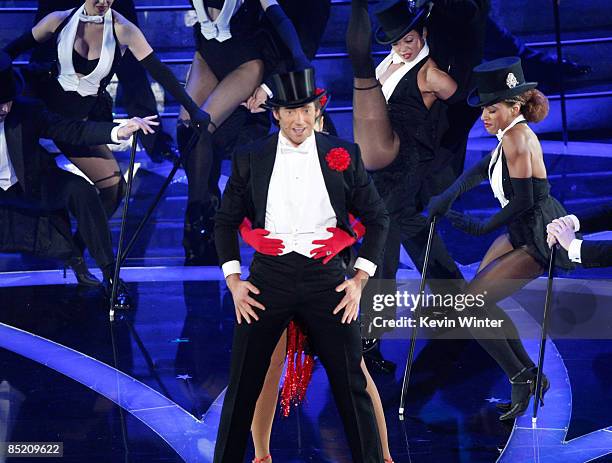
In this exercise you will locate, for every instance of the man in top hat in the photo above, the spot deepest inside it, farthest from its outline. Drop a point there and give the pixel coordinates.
(295, 184)
(589, 253)
(30, 180)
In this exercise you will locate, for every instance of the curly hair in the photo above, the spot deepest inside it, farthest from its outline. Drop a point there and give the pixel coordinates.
(534, 105)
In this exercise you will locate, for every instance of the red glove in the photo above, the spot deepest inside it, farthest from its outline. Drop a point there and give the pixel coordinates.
(257, 239)
(357, 227)
(333, 245)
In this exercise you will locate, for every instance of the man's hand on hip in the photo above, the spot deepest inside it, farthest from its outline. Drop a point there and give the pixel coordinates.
(243, 302)
(350, 301)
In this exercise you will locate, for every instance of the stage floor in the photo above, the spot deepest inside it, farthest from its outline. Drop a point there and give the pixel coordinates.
(148, 387)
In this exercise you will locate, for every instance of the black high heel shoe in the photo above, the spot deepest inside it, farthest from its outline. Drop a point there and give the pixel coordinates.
(198, 236)
(81, 272)
(523, 387)
(506, 406)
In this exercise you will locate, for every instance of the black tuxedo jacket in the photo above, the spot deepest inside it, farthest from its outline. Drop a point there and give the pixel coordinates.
(246, 195)
(596, 253)
(28, 122)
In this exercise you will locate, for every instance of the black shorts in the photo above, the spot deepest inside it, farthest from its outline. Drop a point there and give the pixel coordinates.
(224, 57)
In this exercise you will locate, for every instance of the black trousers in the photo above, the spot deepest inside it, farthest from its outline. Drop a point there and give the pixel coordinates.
(296, 287)
(63, 190)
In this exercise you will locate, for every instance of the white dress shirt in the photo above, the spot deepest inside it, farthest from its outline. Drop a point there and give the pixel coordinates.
(298, 208)
(7, 174)
(576, 245)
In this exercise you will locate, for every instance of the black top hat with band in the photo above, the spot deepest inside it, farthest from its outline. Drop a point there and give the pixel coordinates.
(498, 80)
(294, 89)
(10, 82)
(397, 18)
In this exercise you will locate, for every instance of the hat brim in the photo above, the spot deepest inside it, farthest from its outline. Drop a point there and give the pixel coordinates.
(273, 103)
(19, 86)
(385, 39)
(475, 101)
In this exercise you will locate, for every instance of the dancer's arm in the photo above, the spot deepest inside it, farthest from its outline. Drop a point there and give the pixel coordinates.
(518, 158)
(440, 83)
(286, 30)
(131, 36)
(40, 33)
(440, 205)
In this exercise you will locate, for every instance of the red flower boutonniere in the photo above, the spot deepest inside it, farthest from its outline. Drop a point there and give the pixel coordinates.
(323, 99)
(338, 159)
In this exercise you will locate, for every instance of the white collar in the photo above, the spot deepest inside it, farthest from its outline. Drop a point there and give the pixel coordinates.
(500, 133)
(85, 18)
(393, 58)
(304, 148)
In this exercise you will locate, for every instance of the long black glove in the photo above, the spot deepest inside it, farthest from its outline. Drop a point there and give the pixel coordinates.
(285, 28)
(21, 44)
(439, 205)
(520, 202)
(162, 74)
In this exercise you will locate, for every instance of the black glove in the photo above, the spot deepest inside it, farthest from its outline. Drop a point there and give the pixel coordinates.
(521, 201)
(440, 204)
(21, 44)
(465, 223)
(162, 74)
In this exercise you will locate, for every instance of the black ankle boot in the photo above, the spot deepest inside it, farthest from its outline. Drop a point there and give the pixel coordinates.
(374, 359)
(523, 387)
(506, 406)
(198, 236)
(81, 272)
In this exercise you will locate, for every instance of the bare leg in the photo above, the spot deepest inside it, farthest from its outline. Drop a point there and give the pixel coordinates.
(378, 411)
(371, 125)
(261, 428)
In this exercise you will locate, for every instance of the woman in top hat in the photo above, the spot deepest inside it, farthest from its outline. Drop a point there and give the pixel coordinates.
(517, 174)
(90, 42)
(398, 119)
(293, 344)
(226, 69)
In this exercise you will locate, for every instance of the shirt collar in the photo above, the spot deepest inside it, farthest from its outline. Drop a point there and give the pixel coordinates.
(500, 133)
(288, 148)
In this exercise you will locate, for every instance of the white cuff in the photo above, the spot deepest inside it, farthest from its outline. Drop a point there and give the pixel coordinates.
(115, 133)
(266, 89)
(574, 251)
(576, 222)
(365, 265)
(231, 267)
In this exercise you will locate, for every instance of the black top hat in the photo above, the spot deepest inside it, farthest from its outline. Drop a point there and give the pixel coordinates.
(294, 89)
(498, 80)
(10, 82)
(397, 18)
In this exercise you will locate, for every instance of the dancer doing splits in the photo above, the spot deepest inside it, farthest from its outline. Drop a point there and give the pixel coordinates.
(517, 175)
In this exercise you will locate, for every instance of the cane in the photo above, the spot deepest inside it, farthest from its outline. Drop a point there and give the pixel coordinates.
(547, 304)
(417, 313)
(177, 162)
(126, 206)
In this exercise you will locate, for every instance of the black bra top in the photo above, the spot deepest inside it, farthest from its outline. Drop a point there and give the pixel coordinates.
(82, 65)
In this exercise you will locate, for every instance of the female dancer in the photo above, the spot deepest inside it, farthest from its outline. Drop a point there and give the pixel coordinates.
(90, 41)
(397, 119)
(297, 381)
(226, 69)
(517, 175)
